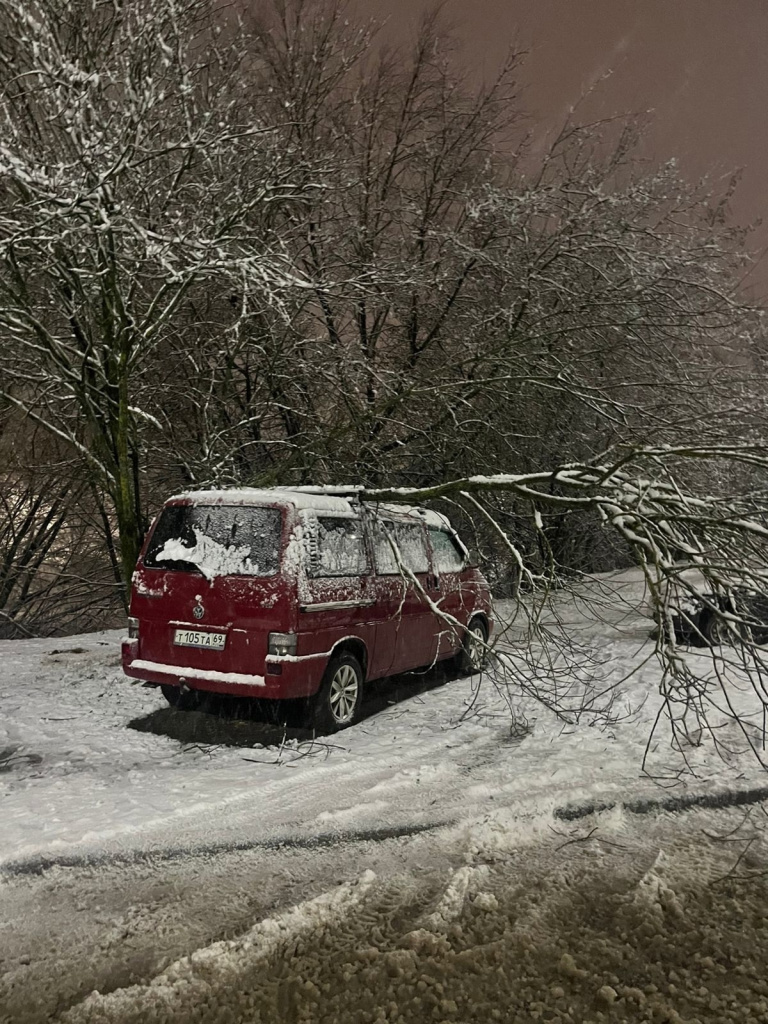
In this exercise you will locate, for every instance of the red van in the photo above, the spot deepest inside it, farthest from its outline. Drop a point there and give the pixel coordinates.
(288, 594)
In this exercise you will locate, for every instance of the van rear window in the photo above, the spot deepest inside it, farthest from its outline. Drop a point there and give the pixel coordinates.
(217, 540)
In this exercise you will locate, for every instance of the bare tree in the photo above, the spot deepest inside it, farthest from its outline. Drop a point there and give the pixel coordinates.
(55, 574)
(398, 141)
(133, 168)
(467, 311)
(282, 253)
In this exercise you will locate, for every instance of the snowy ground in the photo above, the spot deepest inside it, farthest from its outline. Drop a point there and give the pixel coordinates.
(428, 864)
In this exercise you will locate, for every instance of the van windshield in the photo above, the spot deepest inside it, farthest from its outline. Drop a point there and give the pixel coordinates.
(216, 540)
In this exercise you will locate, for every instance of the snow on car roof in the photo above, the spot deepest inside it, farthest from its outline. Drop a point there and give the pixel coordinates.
(319, 499)
(267, 496)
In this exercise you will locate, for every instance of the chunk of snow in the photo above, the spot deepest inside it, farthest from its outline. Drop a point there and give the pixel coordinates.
(185, 672)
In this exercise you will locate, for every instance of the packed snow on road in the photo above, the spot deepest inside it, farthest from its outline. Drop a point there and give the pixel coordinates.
(468, 852)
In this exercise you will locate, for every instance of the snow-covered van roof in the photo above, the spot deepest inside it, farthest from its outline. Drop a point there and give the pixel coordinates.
(313, 498)
(267, 496)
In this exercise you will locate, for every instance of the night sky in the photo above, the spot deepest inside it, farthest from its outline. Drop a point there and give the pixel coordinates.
(700, 67)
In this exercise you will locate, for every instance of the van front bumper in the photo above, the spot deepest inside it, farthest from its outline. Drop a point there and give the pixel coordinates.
(284, 677)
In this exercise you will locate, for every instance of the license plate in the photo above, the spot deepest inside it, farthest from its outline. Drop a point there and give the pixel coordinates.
(196, 638)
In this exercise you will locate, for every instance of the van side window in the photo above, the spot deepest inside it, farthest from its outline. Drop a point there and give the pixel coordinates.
(411, 544)
(340, 548)
(448, 556)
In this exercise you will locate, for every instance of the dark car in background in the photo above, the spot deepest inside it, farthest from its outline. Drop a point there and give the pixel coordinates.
(711, 618)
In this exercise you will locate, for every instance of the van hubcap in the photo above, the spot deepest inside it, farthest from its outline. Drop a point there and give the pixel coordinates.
(476, 646)
(345, 687)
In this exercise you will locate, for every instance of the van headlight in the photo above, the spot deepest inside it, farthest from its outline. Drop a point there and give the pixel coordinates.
(133, 628)
(282, 644)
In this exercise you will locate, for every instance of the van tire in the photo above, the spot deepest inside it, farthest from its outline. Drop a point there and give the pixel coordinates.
(473, 656)
(336, 705)
(171, 693)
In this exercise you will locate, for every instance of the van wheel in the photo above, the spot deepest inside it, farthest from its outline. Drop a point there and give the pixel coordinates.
(473, 654)
(337, 703)
(171, 693)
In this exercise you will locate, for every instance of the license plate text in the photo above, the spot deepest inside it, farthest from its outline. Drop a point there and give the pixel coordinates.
(197, 638)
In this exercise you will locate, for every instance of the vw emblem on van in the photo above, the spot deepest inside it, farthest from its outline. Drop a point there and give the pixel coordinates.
(198, 611)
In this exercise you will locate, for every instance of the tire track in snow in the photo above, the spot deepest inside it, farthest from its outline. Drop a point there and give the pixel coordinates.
(45, 862)
(570, 812)
(725, 798)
